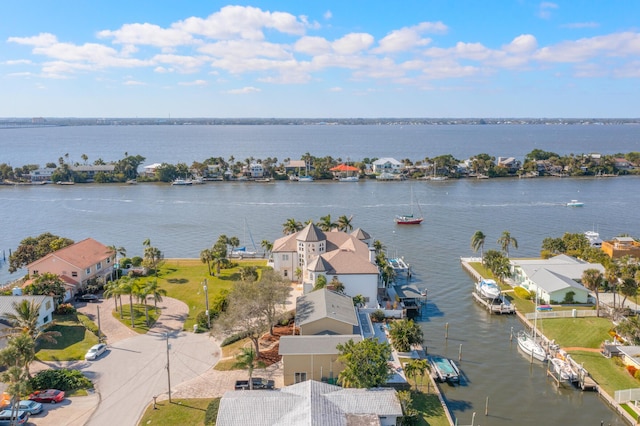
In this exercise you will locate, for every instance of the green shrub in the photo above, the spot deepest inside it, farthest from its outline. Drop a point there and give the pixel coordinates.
(64, 379)
(212, 412)
(88, 324)
(201, 318)
(136, 261)
(377, 315)
(232, 339)
(65, 309)
(288, 318)
(522, 293)
(568, 298)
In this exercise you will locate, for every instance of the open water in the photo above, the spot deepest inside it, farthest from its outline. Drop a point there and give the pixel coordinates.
(181, 221)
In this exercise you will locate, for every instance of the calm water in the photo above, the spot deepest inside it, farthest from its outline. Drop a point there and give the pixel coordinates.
(182, 221)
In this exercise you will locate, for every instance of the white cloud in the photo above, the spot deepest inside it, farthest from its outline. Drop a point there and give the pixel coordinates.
(41, 40)
(246, 49)
(194, 83)
(525, 43)
(241, 22)
(312, 45)
(336, 89)
(327, 15)
(181, 63)
(618, 44)
(580, 25)
(545, 8)
(18, 62)
(352, 43)
(409, 37)
(244, 91)
(134, 83)
(148, 34)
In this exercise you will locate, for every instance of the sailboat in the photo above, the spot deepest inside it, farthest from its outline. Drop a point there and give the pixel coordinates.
(242, 252)
(528, 343)
(410, 219)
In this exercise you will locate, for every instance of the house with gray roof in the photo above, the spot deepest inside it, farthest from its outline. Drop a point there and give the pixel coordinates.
(346, 257)
(552, 279)
(310, 403)
(45, 314)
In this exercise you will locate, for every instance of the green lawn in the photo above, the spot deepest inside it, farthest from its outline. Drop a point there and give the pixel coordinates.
(430, 409)
(587, 332)
(140, 318)
(609, 375)
(73, 344)
(183, 279)
(178, 412)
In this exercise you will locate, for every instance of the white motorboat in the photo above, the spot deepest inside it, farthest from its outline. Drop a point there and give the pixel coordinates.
(181, 181)
(528, 344)
(594, 239)
(305, 178)
(349, 179)
(575, 203)
(488, 288)
(563, 370)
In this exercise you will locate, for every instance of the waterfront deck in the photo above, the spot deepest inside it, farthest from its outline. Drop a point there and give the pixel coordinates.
(499, 306)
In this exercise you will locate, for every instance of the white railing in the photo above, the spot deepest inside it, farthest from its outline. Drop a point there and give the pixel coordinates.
(574, 313)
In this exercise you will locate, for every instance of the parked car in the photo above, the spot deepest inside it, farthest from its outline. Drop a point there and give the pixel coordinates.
(6, 418)
(47, 395)
(31, 407)
(95, 351)
(258, 383)
(88, 298)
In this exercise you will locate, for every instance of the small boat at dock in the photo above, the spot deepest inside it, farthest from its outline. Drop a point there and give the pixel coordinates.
(529, 345)
(488, 288)
(562, 369)
(444, 369)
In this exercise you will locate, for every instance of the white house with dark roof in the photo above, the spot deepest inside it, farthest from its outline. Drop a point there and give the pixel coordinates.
(345, 257)
(386, 165)
(310, 403)
(553, 278)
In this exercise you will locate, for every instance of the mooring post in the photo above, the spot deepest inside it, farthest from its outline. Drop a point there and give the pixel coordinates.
(460, 353)
(486, 407)
(446, 331)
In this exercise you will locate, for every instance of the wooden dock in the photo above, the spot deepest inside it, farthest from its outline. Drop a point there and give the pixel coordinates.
(500, 306)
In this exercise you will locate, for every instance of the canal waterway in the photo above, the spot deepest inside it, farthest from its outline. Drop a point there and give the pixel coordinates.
(181, 221)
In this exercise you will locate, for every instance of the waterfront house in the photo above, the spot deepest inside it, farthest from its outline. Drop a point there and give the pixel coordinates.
(76, 264)
(45, 314)
(553, 279)
(386, 165)
(255, 170)
(310, 403)
(509, 163)
(150, 170)
(622, 164)
(630, 355)
(90, 171)
(335, 254)
(41, 175)
(620, 247)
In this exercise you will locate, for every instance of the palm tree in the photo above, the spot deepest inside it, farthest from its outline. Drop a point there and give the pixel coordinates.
(325, 223)
(116, 251)
(17, 383)
(415, 368)
(24, 319)
(112, 289)
(267, 246)
(477, 243)
(20, 352)
(291, 226)
(248, 360)
(507, 240)
(344, 223)
(154, 290)
(378, 246)
(206, 256)
(593, 279)
(127, 285)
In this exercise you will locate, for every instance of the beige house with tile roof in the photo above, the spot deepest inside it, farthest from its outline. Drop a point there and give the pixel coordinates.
(336, 254)
(76, 264)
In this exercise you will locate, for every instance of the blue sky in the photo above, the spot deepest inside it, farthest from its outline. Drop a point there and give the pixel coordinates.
(410, 58)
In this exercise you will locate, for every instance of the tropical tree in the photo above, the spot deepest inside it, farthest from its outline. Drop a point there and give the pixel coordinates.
(152, 257)
(629, 287)
(291, 226)
(358, 300)
(17, 382)
(219, 253)
(19, 352)
(337, 285)
(34, 248)
(112, 289)
(267, 246)
(298, 273)
(378, 247)
(344, 223)
(127, 285)
(325, 223)
(47, 284)
(592, 279)
(505, 241)
(477, 243)
(366, 363)
(405, 333)
(115, 251)
(248, 273)
(206, 256)
(24, 319)
(321, 282)
(415, 368)
(248, 360)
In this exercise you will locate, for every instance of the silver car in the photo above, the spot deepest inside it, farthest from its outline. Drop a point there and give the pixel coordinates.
(96, 351)
(31, 407)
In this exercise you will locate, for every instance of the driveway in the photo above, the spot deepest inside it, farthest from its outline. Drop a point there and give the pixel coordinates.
(134, 368)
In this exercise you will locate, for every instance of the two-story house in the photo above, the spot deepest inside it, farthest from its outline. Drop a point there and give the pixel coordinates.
(76, 264)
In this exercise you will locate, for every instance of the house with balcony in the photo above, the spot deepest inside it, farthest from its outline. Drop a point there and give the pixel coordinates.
(386, 165)
(76, 264)
(43, 175)
(90, 171)
(311, 253)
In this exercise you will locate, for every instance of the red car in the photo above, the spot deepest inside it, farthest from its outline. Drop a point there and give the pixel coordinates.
(47, 395)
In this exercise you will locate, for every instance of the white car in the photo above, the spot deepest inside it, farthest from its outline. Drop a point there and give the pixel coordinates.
(96, 351)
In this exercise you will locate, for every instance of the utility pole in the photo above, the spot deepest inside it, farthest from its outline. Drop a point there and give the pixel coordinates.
(206, 301)
(99, 332)
(168, 370)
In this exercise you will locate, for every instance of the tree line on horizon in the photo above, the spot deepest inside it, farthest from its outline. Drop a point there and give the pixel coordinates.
(537, 162)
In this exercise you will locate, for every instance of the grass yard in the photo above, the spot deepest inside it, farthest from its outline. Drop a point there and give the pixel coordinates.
(183, 279)
(73, 344)
(609, 375)
(178, 412)
(430, 409)
(140, 319)
(587, 332)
